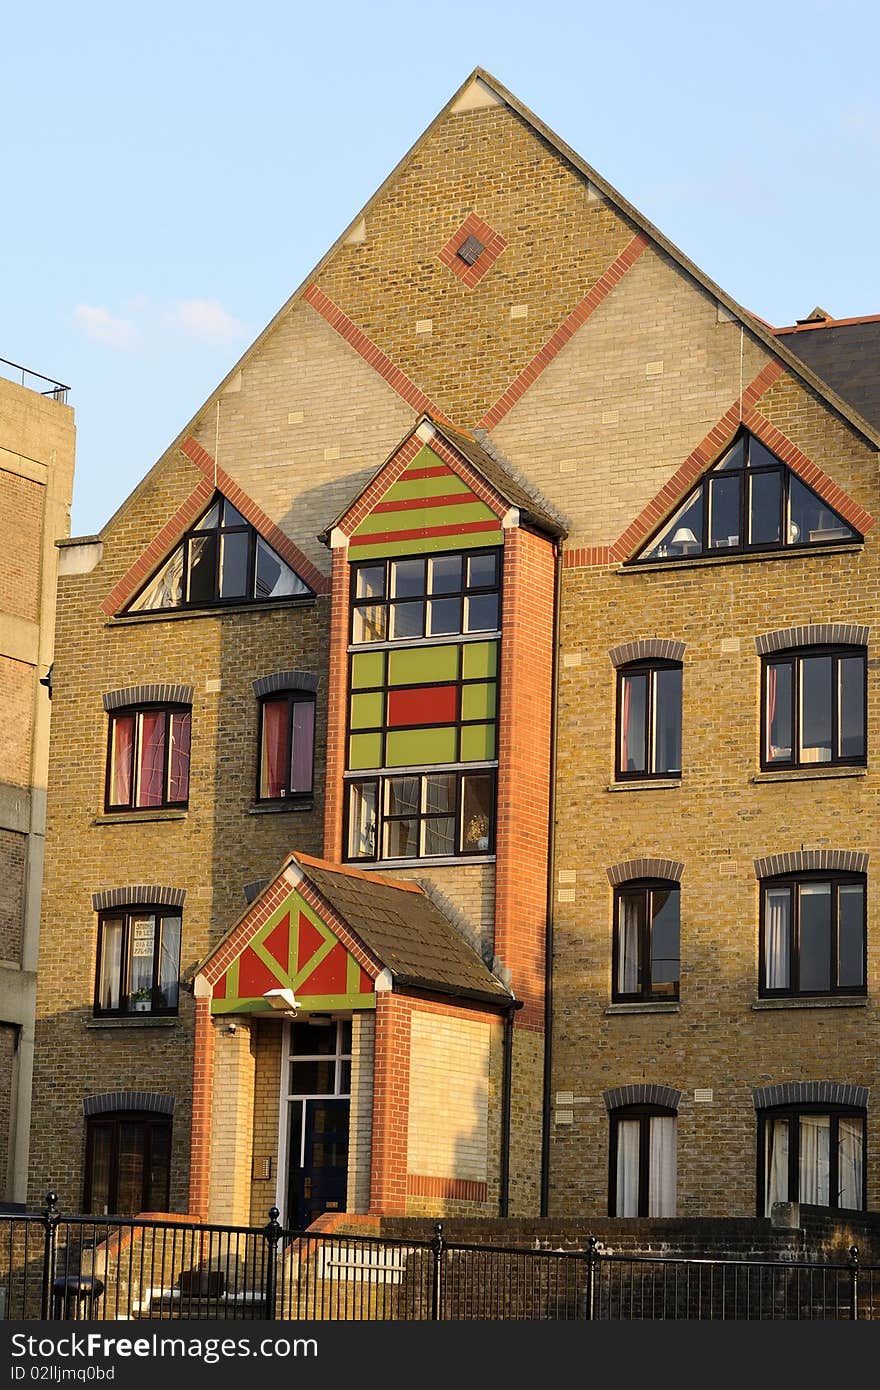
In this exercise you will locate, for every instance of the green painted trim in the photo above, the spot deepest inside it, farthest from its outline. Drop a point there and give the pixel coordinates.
(367, 711)
(479, 659)
(429, 517)
(411, 747)
(478, 701)
(313, 1003)
(367, 669)
(426, 545)
(405, 489)
(364, 750)
(477, 743)
(418, 665)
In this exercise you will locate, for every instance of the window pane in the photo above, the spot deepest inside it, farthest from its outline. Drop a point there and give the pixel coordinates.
(211, 520)
(130, 1168)
(775, 1163)
(627, 1176)
(166, 590)
(370, 581)
(178, 769)
(664, 940)
(667, 720)
(407, 578)
(121, 750)
(815, 938)
(302, 753)
(445, 576)
(851, 935)
(481, 613)
(476, 813)
(439, 792)
(345, 1036)
(631, 921)
(765, 508)
(401, 839)
(142, 939)
(273, 754)
(482, 571)
(810, 521)
(99, 1175)
(777, 938)
(724, 494)
(816, 695)
(313, 1078)
(661, 1166)
(439, 835)
(444, 616)
(169, 962)
(362, 821)
(111, 964)
(402, 796)
(633, 716)
(370, 623)
(759, 456)
(273, 578)
(234, 565)
(160, 1167)
(231, 515)
(151, 770)
(852, 706)
(345, 1078)
(203, 569)
(814, 1138)
(312, 1039)
(407, 620)
(850, 1151)
(683, 535)
(779, 713)
(735, 457)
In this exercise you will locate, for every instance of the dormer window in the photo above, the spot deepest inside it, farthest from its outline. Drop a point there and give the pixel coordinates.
(750, 502)
(221, 560)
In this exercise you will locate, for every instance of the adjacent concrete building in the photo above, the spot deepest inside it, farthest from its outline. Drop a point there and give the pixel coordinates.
(462, 786)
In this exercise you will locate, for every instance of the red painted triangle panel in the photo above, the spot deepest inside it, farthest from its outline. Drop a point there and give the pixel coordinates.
(366, 985)
(254, 978)
(277, 943)
(220, 987)
(330, 976)
(310, 941)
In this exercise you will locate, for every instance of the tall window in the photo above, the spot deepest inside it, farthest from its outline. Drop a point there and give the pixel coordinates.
(813, 1154)
(750, 501)
(643, 1161)
(645, 961)
(433, 596)
(649, 719)
(813, 935)
(222, 559)
(287, 746)
(814, 707)
(138, 964)
(128, 1164)
(422, 816)
(148, 757)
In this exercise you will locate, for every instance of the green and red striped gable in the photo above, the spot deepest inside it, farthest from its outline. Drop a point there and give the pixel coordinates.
(428, 507)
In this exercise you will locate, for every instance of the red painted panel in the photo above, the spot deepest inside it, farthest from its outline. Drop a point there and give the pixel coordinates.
(277, 943)
(329, 977)
(310, 940)
(220, 988)
(437, 704)
(366, 984)
(254, 978)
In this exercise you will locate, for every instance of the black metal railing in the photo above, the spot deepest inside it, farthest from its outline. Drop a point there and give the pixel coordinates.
(54, 1266)
(14, 371)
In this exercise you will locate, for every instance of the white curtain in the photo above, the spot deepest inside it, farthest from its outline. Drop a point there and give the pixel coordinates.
(815, 1147)
(776, 1163)
(627, 1188)
(849, 1163)
(662, 1166)
(628, 950)
(776, 940)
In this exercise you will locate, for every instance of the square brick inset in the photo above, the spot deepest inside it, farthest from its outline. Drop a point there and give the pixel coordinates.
(473, 231)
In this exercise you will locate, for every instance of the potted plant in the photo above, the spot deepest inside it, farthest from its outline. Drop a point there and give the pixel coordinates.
(142, 1001)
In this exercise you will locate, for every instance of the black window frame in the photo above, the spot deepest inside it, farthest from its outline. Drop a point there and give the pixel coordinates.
(794, 881)
(744, 472)
(793, 1112)
(293, 698)
(649, 666)
(127, 912)
(386, 601)
(113, 1120)
(378, 780)
(646, 992)
(644, 1114)
(126, 711)
(794, 658)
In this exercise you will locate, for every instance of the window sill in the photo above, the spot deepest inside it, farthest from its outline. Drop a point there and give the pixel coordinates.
(848, 1001)
(460, 861)
(145, 1021)
(281, 807)
(138, 817)
(808, 774)
(159, 615)
(650, 784)
(740, 557)
(650, 1006)
(492, 635)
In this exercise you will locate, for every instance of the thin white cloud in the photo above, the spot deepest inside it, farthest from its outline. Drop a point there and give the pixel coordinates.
(99, 324)
(205, 318)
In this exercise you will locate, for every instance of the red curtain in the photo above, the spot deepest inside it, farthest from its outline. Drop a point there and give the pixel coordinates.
(123, 740)
(152, 758)
(181, 729)
(274, 761)
(301, 756)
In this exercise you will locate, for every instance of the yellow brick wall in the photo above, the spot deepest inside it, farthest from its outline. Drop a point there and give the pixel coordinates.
(232, 1130)
(449, 1098)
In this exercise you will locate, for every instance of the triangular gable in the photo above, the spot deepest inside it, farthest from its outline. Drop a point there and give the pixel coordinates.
(213, 479)
(290, 939)
(426, 497)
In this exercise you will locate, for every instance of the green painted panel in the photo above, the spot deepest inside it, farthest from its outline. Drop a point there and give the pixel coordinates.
(443, 486)
(417, 747)
(425, 545)
(477, 743)
(477, 701)
(479, 659)
(367, 668)
(364, 750)
(368, 711)
(421, 665)
(315, 1003)
(456, 514)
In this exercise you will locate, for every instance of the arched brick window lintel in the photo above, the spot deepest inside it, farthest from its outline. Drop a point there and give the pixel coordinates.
(813, 635)
(155, 1102)
(847, 861)
(652, 1094)
(811, 1093)
(645, 868)
(647, 649)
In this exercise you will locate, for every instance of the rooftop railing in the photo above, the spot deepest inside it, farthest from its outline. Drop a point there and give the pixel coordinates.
(47, 386)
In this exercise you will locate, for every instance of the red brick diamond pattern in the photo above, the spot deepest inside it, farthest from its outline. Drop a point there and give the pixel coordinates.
(493, 243)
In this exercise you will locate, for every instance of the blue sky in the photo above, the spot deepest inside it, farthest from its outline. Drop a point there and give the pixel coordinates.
(171, 172)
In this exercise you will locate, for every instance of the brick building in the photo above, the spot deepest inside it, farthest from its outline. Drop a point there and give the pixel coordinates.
(36, 482)
(460, 784)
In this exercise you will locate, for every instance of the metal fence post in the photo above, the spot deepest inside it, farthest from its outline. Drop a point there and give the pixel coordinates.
(592, 1257)
(854, 1281)
(51, 1217)
(271, 1235)
(438, 1246)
